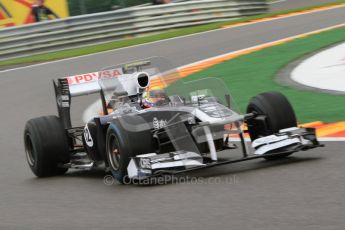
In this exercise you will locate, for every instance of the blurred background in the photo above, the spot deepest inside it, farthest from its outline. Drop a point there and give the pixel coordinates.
(18, 12)
(78, 7)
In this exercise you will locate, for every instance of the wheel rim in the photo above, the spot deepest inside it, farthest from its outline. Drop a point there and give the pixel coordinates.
(29, 150)
(114, 152)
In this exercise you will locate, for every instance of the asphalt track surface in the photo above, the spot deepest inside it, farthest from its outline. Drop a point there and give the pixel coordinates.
(291, 4)
(305, 191)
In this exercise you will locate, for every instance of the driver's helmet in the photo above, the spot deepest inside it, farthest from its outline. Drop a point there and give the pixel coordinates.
(154, 96)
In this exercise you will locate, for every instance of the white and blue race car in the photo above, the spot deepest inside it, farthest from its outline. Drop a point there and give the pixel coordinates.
(197, 121)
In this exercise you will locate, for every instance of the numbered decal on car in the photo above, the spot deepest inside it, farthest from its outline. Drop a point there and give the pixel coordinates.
(88, 137)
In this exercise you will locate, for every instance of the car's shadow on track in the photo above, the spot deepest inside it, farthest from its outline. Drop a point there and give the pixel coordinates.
(255, 165)
(228, 173)
(95, 173)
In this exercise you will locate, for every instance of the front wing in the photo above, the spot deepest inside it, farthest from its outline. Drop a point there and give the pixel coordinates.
(286, 141)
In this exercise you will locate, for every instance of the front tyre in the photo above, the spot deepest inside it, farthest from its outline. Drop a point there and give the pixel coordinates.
(126, 138)
(118, 155)
(279, 115)
(46, 146)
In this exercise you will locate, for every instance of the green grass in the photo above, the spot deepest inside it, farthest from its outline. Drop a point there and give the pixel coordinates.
(251, 74)
(140, 40)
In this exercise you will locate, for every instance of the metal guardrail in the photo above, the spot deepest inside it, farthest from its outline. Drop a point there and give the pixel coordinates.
(120, 24)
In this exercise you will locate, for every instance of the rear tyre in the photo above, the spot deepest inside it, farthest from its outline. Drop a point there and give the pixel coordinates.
(126, 138)
(46, 146)
(279, 115)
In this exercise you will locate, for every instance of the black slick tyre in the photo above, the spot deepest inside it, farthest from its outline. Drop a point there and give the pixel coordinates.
(123, 141)
(46, 146)
(278, 112)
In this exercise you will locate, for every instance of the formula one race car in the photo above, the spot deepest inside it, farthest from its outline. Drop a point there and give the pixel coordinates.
(186, 130)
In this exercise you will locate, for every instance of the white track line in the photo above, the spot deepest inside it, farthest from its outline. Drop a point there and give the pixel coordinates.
(324, 70)
(263, 44)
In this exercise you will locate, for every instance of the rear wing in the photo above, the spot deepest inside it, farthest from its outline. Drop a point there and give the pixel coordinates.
(85, 84)
(129, 76)
(73, 86)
